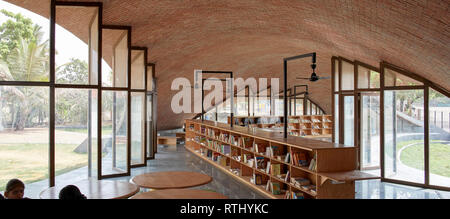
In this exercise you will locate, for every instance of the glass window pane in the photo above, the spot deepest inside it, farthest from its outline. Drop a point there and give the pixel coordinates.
(210, 115)
(308, 107)
(150, 124)
(349, 120)
(76, 53)
(439, 119)
(150, 80)
(393, 78)
(299, 107)
(263, 106)
(336, 75)
(137, 128)
(25, 44)
(404, 136)
(75, 135)
(114, 132)
(115, 56)
(279, 107)
(336, 118)
(363, 77)
(224, 111)
(370, 132)
(137, 69)
(24, 137)
(348, 76)
(375, 79)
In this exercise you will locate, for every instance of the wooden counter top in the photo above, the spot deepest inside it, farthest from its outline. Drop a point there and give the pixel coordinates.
(96, 189)
(301, 142)
(171, 180)
(348, 176)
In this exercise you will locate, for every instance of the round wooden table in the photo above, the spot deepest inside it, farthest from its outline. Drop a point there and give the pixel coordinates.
(95, 189)
(171, 180)
(179, 194)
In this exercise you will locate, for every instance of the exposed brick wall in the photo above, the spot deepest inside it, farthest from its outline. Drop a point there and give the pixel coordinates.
(251, 37)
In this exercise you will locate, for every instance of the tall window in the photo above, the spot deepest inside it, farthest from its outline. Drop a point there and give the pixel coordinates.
(439, 140)
(24, 97)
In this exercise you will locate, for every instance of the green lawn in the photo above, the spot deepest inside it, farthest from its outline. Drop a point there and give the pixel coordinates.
(439, 157)
(29, 162)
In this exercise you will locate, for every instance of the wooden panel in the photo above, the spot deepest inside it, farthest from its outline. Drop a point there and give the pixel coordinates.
(336, 160)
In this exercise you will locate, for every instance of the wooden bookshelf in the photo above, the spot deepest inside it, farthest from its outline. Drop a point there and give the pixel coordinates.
(307, 125)
(256, 157)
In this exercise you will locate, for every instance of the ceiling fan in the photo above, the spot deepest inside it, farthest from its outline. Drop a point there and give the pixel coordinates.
(314, 77)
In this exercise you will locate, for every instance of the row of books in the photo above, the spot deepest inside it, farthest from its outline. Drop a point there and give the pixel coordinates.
(274, 187)
(300, 159)
(316, 121)
(294, 195)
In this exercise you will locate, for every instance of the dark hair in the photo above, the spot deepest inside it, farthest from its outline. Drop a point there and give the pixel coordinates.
(12, 184)
(71, 192)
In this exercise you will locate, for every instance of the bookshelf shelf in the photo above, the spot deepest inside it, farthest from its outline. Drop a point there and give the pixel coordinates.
(288, 168)
(306, 125)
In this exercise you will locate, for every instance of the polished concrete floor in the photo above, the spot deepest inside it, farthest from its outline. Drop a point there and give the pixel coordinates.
(170, 158)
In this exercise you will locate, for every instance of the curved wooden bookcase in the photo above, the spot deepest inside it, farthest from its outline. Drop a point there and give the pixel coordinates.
(235, 149)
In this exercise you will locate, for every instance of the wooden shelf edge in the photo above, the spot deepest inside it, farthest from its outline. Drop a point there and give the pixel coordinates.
(347, 176)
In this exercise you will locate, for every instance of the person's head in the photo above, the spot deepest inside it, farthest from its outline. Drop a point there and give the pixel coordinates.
(71, 192)
(14, 189)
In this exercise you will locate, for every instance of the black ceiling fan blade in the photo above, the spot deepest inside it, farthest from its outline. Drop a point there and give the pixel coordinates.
(324, 78)
(303, 78)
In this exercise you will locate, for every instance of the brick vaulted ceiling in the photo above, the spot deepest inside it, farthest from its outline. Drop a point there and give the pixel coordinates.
(252, 37)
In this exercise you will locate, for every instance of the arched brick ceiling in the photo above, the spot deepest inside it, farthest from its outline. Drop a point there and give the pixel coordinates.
(251, 37)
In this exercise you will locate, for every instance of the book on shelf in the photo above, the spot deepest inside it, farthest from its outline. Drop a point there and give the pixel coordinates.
(299, 182)
(300, 159)
(260, 148)
(268, 185)
(245, 142)
(298, 195)
(258, 179)
(286, 178)
(250, 162)
(234, 140)
(313, 165)
(287, 195)
(275, 151)
(287, 158)
(276, 188)
(276, 169)
(259, 162)
(223, 137)
(268, 167)
(269, 152)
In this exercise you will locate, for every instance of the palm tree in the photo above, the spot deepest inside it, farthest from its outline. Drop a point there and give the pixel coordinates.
(29, 61)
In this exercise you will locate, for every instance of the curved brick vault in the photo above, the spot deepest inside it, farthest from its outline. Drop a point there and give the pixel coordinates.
(251, 38)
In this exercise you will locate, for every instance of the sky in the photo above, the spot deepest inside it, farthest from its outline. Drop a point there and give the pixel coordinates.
(67, 45)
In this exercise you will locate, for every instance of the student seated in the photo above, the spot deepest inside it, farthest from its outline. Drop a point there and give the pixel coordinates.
(71, 192)
(14, 189)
